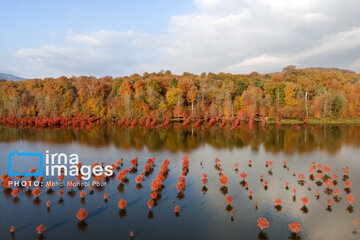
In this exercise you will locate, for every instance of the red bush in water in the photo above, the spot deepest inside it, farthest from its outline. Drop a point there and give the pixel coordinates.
(350, 199)
(185, 162)
(36, 192)
(177, 209)
(295, 227)
(304, 200)
(134, 162)
(6, 181)
(154, 195)
(278, 202)
(122, 174)
(61, 192)
(15, 192)
(40, 229)
(181, 184)
(139, 179)
(229, 199)
(122, 204)
(150, 203)
(263, 223)
(82, 214)
(223, 179)
(243, 175)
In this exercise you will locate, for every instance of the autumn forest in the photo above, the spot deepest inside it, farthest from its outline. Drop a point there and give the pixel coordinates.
(291, 94)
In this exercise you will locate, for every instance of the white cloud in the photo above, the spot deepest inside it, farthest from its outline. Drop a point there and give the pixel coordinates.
(208, 3)
(221, 35)
(336, 43)
(342, 41)
(292, 5)
(355, 65)
(96, 53)
(104, 38)
(265, 62)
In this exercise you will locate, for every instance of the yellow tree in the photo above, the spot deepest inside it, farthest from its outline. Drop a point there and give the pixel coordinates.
(173, 96)
(290, 102)
(191, 96)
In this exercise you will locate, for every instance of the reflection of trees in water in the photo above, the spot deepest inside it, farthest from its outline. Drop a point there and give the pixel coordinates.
(288, 139)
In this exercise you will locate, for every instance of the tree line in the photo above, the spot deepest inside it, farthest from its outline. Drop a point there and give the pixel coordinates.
(292, 93)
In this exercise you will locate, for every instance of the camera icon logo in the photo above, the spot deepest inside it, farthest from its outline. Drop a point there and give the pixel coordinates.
(17, 159)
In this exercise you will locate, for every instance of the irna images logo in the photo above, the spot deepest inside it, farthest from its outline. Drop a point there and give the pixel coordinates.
(55, 164)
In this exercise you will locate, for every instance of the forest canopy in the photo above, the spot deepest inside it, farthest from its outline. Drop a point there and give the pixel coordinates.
(292, 93)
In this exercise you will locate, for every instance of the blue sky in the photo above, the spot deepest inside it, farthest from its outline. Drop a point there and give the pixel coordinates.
(36, 19)
(53, 38)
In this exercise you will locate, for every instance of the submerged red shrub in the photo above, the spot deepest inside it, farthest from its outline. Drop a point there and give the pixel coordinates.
(82, 194)
(295, 227)
(36, 192)
(177, 209)
(223, 179)
(134, 162)
(185, 162)
(7, 181)
(278, 202)
(350, 198)
(122, 204)
(243, 175)
(82, 214)
(154, 195)
(61, 192)
(40, 229)
(229, 199)
(150, 203)
(15, 192)
(304, 200)
(263, 223)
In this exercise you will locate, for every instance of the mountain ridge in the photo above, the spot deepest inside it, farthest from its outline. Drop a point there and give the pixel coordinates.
(10, 77)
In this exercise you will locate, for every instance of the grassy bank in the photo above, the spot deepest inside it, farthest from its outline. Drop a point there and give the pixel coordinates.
(318, 121)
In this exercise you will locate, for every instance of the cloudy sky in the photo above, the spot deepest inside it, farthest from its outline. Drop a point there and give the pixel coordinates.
(90, 37)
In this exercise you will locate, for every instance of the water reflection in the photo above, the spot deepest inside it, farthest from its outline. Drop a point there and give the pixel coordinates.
(294, 236)
(287, 139)
(262, 236)
(82, 225)
(150, 215)
(122, 213)
(252, 185)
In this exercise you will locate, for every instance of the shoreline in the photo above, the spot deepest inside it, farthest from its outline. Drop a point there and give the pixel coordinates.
(317, 121)
(88, 123)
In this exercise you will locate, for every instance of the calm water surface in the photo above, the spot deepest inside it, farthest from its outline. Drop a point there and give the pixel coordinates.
(203, 215)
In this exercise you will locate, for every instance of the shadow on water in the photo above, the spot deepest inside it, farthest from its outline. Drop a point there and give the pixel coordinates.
(57, 225)
(134, 202)
(97, 212)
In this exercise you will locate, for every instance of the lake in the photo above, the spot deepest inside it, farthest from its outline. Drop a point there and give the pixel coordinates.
(204, 210)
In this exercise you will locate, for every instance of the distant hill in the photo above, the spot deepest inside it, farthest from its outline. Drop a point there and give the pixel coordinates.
(10, 77)
(319, 69)
(322, 69)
